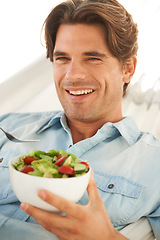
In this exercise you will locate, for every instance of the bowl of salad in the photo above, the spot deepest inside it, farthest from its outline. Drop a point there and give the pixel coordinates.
(59, 172)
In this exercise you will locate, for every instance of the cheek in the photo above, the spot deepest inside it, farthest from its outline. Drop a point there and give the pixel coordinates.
(98, 74)
(58, 76)
(112, 84)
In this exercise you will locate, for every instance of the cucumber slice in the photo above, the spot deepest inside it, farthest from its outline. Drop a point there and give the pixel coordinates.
(80, 168)
(19, 166)
(67, 161)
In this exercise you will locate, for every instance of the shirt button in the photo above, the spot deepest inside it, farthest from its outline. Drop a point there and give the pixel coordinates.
(110, 186)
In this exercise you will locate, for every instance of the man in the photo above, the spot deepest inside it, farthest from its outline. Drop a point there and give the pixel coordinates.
(93, 46)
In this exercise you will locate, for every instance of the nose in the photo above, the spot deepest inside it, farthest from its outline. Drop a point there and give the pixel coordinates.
(75, 71)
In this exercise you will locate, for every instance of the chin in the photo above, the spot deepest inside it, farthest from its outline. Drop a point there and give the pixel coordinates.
(79, 113)
(77, 116)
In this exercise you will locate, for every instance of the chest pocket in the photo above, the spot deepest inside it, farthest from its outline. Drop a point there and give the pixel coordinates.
(6, 193)
(120, 195)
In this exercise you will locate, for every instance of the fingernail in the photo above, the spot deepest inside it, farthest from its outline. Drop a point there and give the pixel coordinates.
(24, 206)
(42, 195)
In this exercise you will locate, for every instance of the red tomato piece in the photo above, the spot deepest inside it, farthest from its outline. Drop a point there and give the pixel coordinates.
(28, 160)
(59, 156)
(85, 163)
(27, 169)
(60, 160)
(66, 170)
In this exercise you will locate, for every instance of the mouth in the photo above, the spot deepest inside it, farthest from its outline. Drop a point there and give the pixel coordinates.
(80, 92)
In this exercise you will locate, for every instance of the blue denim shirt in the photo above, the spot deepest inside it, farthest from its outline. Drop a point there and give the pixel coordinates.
(126, 164)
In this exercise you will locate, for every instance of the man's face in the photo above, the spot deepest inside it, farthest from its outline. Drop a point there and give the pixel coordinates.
(88, 78)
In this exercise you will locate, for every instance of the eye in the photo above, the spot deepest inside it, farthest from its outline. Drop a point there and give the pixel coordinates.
(94, 59)
(61, 59)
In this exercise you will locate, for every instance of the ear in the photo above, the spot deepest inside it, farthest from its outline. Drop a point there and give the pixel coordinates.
(129, 68)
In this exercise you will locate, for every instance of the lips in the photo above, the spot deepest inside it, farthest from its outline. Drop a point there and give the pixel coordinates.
(80, 92)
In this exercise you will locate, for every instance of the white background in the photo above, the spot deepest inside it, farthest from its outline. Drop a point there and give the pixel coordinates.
(20, 27)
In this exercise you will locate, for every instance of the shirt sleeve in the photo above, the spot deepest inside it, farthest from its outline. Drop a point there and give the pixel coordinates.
(16, 229)
(154, 220)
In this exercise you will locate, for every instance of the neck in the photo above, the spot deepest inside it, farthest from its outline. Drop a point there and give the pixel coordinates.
(81, 130)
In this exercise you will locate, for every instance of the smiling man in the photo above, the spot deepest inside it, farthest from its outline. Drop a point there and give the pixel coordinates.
(93, 47)
(86, 72)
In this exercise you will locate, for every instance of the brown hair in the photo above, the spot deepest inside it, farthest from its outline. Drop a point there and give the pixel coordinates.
(121, 31)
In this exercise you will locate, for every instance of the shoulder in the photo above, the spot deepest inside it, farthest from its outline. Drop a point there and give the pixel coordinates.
(149, 140)
(145, 138)
(11, 120)
(148, 152)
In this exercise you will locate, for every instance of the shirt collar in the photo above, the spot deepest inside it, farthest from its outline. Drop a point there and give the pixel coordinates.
(49, 122)
(126, 127)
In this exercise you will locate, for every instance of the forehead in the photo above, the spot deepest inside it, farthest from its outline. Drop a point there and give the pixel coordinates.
(80, 37)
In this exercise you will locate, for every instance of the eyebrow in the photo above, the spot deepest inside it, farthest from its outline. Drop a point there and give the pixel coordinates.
(59, 53)
(91, 53)
(95, 54)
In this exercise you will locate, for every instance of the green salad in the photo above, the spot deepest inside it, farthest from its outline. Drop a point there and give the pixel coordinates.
(51, 164)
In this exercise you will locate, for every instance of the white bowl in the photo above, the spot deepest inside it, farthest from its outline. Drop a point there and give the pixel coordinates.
(26, 187)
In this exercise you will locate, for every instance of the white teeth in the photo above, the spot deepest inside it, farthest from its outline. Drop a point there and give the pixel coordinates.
(81, 92)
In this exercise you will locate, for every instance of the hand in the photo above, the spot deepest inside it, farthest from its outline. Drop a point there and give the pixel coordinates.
(80, 222)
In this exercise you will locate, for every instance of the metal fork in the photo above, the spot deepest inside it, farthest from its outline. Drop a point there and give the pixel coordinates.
(15, 139)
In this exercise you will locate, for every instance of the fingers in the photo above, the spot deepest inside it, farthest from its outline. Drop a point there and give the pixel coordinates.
(50, 226)
(46, 219)
(54, 223)
(61, 226)
(60, 203)
(33, 211)
(92, 189)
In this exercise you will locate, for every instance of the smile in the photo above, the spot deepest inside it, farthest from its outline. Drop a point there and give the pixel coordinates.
(81, 92)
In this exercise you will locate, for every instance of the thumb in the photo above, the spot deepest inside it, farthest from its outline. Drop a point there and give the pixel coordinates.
(92, 188)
